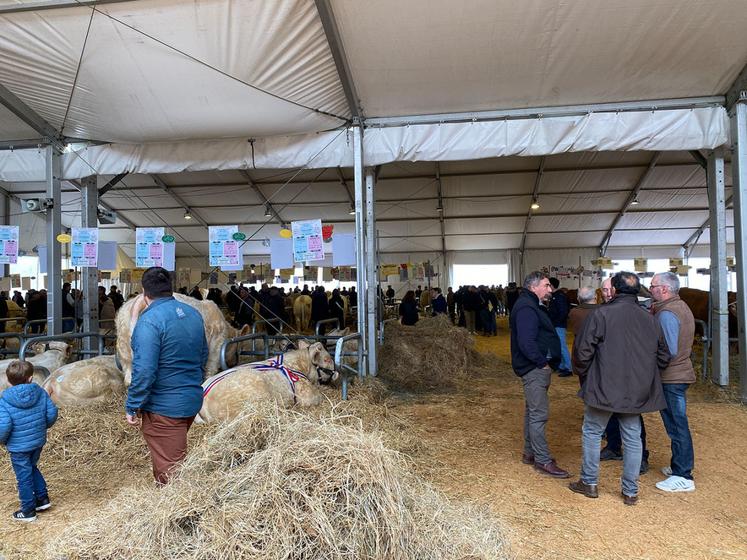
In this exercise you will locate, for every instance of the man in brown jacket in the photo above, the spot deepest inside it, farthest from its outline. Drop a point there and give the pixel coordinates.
(586, 298)
(619, 353)
(678, 325)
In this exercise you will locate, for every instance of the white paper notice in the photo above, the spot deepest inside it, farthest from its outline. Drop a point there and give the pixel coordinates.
(84, 250)
(169, 256)
(343, 249)
(281, 253)
(8, 244)
(224, 249)
(148, 247)
(107, 255)
(307, 240)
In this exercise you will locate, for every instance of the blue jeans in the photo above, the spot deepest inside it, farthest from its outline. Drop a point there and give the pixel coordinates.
(565, 362)
(675, 422)
(31, 484)
(595, 420)
(68, 325)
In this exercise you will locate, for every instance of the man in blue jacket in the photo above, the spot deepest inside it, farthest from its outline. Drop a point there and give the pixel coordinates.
(26, 412)
(535, 349)
(169, 351)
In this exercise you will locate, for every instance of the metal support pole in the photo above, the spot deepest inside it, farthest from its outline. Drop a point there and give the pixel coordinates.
(6, 221)
(371, 272)
(89, 196)
(739, 180)
(360, 234)
(719, 311)
(54, 254)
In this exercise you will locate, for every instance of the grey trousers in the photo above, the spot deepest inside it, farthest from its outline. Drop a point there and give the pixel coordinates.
(595, 421)
(469, 319)
(536, 412)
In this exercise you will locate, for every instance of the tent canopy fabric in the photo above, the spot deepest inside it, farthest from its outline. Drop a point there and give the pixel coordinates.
(200, 93)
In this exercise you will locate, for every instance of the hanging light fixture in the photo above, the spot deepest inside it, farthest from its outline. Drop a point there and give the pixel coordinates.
(187, 214)
(635, 201)
(352, 210)
(268, 214)
(535, 205)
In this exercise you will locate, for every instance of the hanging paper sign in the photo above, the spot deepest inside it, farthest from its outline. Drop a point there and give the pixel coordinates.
(327, 232)
(307, 241)
(224, 249)
(345, 274)
(389, 270)
(182, 277)
(168, 239)
(15, 280)
(8, 244)
(640, 265)
(148, 247)
(85, 248)
(105, 275)
(125, 276)
(730, 261)
(682, 270)
(310, 273)
(239, 236)
(675, 262)
(26, 283)
(137, 274)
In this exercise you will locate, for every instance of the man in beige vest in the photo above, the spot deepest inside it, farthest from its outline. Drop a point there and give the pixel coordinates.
(677, 322)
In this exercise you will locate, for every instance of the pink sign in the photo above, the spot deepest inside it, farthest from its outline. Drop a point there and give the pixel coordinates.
(315, 243)
(230, 249)
(90, 250)
(156, 251)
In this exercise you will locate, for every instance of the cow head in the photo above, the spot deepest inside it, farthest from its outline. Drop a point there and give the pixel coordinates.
(321, 364)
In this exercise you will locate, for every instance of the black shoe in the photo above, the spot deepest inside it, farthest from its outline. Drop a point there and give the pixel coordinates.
(644, 466)
(564, 373)
(608, 454)
(43, 503)
(26, 517)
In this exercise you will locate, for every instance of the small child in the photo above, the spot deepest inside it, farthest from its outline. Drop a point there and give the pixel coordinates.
(26, 412)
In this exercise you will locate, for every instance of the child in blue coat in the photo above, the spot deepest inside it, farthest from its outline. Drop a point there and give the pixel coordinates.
(26, 412)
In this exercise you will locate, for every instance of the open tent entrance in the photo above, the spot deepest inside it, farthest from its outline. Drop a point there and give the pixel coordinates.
(477, 274)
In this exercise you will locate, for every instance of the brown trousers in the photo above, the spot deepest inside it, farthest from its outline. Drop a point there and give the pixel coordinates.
(167, 441)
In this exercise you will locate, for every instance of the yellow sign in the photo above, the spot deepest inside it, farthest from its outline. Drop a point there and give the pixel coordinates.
(730, 261)
(682, 270)
(137, 274)
(64, 238)
(286, 233)
(640, 265)
(675, 262)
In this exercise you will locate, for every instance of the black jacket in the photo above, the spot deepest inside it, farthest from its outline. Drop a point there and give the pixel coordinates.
(559, 309)
(408, 311)
(533, 336)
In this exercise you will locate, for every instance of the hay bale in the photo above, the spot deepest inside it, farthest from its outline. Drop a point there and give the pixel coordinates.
(432, 355)
(276, 484)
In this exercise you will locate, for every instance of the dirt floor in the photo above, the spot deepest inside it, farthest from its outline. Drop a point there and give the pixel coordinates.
(474, 440)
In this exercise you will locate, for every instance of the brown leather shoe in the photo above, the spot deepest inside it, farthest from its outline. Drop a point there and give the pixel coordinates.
(551, 469)
(630, 500)
(527, 458)
(588, 490)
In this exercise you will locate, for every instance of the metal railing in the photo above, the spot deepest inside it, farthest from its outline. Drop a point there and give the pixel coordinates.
(27, 327)
(64, 338)
(344, 369)
(277, 324)
(382, 324)
(319, 324)
(706, 341)
(264, 353)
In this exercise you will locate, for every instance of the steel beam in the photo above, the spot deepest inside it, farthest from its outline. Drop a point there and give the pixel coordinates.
(441, 211)
(739, 177)
(631, 197)
(546, 112)
(334, 40)
(263, 198)
(54, 5)
(31, 117)
(158, 181)
(110, 185)
(360, 234)
(692, 241)
(737, 90)
(372, 276)
(719, 312)
(344, 184)
(89, 276)
(697, 156)
(535, 194)
(53, 220)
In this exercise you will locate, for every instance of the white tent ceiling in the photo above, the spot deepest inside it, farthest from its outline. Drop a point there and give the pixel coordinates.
(184, 85)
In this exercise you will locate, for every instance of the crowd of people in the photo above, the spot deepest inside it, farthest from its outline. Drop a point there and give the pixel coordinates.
(629, 359)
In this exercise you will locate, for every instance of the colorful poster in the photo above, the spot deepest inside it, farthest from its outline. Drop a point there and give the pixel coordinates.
(8, 244)
(137, 274)
(148, 247)
(84, 249)
(307, 241)
(224, 249)
(182, 277)
(125, 276)
(15, 280)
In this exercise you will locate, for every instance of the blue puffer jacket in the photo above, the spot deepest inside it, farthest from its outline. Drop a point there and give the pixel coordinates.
(26, 412)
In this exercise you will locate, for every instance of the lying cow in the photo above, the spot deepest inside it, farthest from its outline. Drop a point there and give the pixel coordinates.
(51, 359)
(288, 379)
(217, 330)
(85, 382)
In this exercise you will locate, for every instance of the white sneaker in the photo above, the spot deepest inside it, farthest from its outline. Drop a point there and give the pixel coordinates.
(666, 471)
(676, 484)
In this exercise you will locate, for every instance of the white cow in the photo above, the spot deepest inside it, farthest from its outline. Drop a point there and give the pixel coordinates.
(85, 382)
(302, 312)
(56, 356)
(217, 330)
(291, 378)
